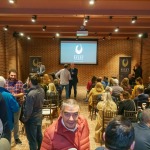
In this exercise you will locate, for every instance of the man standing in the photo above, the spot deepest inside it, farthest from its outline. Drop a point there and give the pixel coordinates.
(32, 114)
(74, 80)
(11, 105)
(70, 131)
(137, 70)
(142, 131)
(64, 76)
(16, 88)
(41, 69)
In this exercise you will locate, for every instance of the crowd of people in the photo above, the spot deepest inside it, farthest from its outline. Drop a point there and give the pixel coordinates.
(24, 102)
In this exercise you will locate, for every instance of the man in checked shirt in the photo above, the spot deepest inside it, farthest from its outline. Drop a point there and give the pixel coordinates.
(15, 86)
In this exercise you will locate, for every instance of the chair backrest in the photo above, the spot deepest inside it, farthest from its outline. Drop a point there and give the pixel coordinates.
(143, 105)
(131, 115)
(108, 115)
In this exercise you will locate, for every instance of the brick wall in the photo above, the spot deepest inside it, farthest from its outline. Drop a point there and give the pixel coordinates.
(109, 52)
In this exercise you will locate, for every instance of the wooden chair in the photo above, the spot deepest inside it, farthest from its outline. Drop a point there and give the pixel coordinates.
(51, 106)
(107, 117)
(131, 115)
(94, 104)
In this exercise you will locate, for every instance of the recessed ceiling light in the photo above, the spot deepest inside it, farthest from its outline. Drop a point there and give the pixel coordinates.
(21, 34)
(57, 34)
(91, 2)
(11, 1)
(140, 35)
(28, 38)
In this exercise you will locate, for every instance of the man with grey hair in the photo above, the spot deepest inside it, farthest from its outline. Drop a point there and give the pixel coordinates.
(70, 131)
(142, 131)
(11, 104)
(116, 89)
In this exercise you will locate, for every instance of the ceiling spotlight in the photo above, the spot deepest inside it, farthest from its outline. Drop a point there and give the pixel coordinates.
(134, 19)
(21, 34)
(44, 28)
(109, 36)
(5, 28)
(11, 1)
(33, 19)
(57, 34)
(86, 19)
(116, 29)
(140, 35)
(28, 38)
(110, 17)
(103, 38)
(91, 2)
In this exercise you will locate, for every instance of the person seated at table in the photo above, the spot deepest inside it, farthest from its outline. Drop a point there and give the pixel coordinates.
(125, 103)
(106, 104)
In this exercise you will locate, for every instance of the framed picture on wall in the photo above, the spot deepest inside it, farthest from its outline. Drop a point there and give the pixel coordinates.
(34, 60)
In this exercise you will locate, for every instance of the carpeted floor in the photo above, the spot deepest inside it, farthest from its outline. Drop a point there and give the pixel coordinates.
(84, 112)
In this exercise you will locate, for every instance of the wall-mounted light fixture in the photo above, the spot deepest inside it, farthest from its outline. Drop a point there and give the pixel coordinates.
(5, 28)
(34, 18)
(44, 28)
(134, 19)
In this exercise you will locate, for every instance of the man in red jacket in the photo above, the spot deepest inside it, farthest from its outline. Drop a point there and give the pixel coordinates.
(70, 131)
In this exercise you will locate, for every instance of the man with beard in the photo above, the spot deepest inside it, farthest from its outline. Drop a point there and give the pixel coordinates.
(15, 86)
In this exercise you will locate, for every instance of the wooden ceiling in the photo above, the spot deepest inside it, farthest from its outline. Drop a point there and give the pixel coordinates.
(66, 17)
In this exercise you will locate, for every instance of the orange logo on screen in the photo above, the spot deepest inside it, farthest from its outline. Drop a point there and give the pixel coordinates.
(78, 49)
(125, 62)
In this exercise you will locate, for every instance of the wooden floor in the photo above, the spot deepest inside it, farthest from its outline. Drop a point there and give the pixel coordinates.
(84, 112)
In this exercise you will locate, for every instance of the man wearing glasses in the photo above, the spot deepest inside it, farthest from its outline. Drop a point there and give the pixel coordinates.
(70, 131)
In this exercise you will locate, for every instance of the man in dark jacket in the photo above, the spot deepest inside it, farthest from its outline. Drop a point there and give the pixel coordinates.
(74, 80)
(33, 113)
(142, 131)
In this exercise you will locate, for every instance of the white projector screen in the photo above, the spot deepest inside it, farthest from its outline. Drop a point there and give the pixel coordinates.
(78, 51)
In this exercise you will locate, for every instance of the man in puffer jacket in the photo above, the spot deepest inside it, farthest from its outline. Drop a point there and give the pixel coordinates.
(70, 131)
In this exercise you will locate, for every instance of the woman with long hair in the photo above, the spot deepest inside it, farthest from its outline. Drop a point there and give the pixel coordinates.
(139, 82)
(106, 104)
(126, 86)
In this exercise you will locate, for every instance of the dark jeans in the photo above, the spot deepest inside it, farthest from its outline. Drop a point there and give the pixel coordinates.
(34, 135)
(74, 85)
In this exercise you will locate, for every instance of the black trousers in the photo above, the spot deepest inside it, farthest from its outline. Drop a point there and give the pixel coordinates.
(74, 85)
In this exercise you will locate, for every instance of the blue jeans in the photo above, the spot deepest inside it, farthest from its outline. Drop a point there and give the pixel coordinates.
(16, 123)
(66, 88)
(34, 135)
